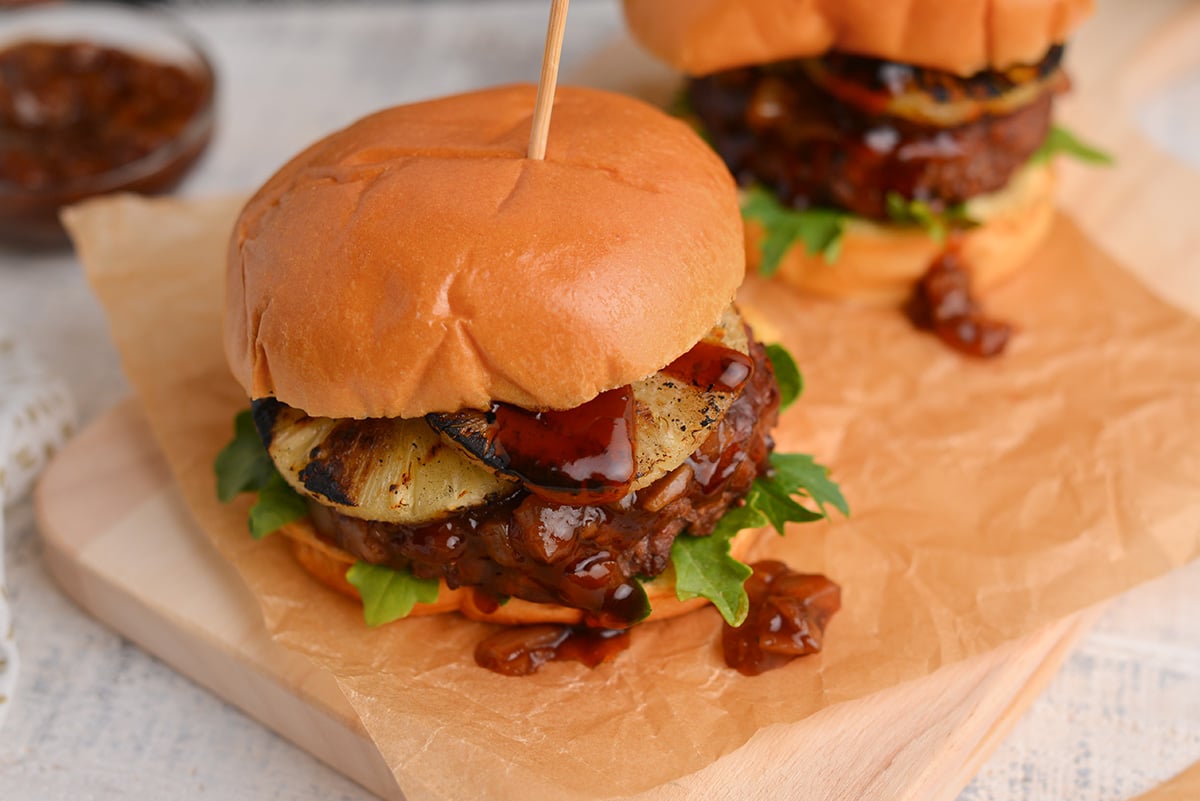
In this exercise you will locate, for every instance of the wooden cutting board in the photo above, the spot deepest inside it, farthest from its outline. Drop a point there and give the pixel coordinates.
(126, 550)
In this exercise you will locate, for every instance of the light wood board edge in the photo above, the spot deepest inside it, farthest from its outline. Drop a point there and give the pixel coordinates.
(919, 741)
(1183, 787)
(1063, 639)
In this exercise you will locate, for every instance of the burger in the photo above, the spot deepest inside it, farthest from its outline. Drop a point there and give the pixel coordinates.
(882, 149)
(516, 389)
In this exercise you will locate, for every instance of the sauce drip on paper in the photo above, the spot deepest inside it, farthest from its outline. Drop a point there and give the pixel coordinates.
(787, 619)
(522, 650)
(942, 303)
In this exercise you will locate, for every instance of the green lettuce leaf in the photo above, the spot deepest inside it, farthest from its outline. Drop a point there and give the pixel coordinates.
(277, 505)
(1062, 141)
(389, 594)
(787, 375)
(245, 466)
(704, 567)
(801, 474)
(820, 230)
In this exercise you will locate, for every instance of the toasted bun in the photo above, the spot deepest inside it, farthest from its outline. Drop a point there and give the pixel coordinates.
(700, 37)
(418, 262)
(881, 263)
(329, 565)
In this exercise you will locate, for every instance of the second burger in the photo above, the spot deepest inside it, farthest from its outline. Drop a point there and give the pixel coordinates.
(890, 151)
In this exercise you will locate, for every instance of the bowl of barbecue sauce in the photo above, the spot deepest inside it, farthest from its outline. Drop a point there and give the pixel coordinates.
(94, 98)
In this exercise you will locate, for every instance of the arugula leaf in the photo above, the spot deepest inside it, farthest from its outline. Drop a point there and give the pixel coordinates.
(703, 565)
(389, 594)
(787, 375)
(820, 230)
(277, 505)
(801, 472)
(1060, 140)
(245, 466)
(774, 501)
(705, 569)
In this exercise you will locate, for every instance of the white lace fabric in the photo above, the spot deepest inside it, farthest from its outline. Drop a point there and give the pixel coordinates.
(36, 416)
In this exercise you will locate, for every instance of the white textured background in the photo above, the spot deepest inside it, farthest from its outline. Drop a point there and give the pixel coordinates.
(96, 718)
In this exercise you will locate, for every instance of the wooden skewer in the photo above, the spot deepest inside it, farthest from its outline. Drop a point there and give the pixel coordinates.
(548, 81)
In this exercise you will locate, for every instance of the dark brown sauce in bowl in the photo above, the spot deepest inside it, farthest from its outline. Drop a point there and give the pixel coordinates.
(79, 118)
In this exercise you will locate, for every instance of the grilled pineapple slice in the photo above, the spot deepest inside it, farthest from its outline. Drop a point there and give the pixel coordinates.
(403, 471)
(397, 471)
(672, 417)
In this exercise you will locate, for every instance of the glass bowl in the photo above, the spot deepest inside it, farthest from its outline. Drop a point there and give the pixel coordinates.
(95, 121)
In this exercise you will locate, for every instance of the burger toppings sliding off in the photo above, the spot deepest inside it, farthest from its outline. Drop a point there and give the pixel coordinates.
(517, 389)
(889, 151)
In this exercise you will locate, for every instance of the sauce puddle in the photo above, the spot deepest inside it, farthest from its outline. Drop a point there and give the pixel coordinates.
(787, 619)
(943, 304)
(523, 650)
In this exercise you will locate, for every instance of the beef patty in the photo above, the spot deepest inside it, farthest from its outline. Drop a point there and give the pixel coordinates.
(775, 126)
(585, 557)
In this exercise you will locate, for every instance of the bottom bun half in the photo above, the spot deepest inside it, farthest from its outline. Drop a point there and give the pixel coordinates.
(329, 564)
(880, 264)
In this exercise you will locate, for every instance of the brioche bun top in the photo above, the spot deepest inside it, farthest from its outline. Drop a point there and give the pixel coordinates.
(701, 37)
(418, 262)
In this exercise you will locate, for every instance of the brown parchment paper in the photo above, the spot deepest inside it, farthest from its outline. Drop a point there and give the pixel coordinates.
(988, 499)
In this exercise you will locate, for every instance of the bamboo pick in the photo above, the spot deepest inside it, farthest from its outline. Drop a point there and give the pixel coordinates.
(548, 81)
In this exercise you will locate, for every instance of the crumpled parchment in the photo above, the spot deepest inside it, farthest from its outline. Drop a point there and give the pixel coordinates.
(989, 499)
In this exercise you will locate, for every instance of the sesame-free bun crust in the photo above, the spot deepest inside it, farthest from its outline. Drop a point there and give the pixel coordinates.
(700, 37)
(418, 262)
(880, 264)
(328, 565)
